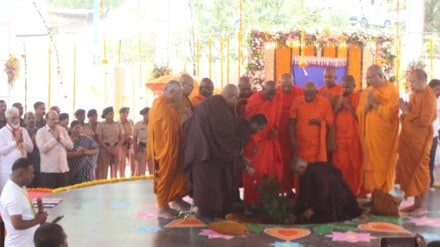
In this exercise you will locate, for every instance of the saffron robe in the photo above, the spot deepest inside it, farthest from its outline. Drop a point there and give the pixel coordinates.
(332, 93)
(165, 150)
(283, 135)
(378, 133)
(212, 151)
(311, 139)
(195, 100)
(348, 158)
(415, 143)
(267, 160)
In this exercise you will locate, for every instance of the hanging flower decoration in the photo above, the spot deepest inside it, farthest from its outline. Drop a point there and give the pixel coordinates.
(258, 39)
(12, 68)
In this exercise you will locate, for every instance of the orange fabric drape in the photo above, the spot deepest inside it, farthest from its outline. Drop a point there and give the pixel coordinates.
(342, 51)
(355, 64)
(283, 61)
(309, 50)
(329, 50)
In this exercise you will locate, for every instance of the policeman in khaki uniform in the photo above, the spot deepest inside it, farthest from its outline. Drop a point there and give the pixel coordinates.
(110, 138)
(127, 144)
(140, 144)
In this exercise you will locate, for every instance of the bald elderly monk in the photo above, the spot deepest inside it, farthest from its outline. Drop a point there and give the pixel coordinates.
(263, 150)
(289, 92)
(348, 157)
(212, 147)
(245, 89)
(378, 115)
(310, 118)
(165, 150)
(415, 141)
(206, 90)
(324, 195)
(185, 106)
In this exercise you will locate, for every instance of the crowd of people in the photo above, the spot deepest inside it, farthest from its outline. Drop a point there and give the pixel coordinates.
(66, 152)
(210, 145)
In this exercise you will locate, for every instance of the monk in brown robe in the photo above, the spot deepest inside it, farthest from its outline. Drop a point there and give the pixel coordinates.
(245, 89)
(415, 141)
(289, 92)
(324, 195)
(212, 147)
(206, 90)
(165, 150)
(378, 116)
(348, 156)
(263, 150)
(310, 118)
(185, 106)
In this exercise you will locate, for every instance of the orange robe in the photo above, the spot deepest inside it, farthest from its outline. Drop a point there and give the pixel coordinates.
(267, 160)
(185, 103)
(378, 132)
(283, 134)
(415, 143)
(164, 148)
(195, 100)
(333, 92)
(348, 157)
(311, 138)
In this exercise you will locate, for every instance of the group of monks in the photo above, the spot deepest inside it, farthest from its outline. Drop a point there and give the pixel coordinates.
(197, 142)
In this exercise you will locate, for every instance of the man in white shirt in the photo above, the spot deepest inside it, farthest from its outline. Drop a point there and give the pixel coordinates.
(14, 143)
(52, 141)
(16, 208)
(435, 86)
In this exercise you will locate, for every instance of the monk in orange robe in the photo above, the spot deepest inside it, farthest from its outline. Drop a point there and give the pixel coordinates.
(263, 150)
(289, 92)
(206, 90)
(310, 117)
(378, 118)
(348, 156)
(415, 141)
(331, 90)
(164, 149)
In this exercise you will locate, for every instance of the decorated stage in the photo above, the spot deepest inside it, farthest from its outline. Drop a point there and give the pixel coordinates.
(125, 214)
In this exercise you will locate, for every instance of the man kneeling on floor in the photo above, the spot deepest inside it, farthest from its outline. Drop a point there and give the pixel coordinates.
(324, 195)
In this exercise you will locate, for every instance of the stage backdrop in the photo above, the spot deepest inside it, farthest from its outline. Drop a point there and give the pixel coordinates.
(315, 69)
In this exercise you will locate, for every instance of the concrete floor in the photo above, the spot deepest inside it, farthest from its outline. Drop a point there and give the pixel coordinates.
(123, 214)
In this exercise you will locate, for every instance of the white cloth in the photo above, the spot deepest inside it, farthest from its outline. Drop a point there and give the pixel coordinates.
(14, 201)
(53, 156)
(10, 152)
(437, 165)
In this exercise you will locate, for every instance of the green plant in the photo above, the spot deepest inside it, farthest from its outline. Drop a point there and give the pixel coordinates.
(277, 207)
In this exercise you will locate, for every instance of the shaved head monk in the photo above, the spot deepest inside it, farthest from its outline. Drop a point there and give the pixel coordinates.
(212, 147)
(330, 90)
(206, 90)
(310, 118)
(263, 150)
(415, 141)
(164, 149)
(289, 92)
(348, 155)
(378, 115)
(185, 106)
(245, 89)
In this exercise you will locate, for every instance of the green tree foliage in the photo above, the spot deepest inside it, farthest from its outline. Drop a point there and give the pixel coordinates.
(82, 4)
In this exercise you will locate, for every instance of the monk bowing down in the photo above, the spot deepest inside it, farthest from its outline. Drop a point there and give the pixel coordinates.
(348, 156)
(310, 118)
(263, 150)
(415, 141)
(378, 115)
(165, 150)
